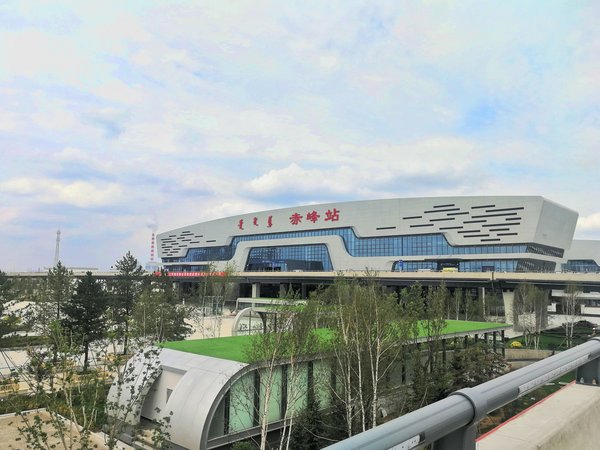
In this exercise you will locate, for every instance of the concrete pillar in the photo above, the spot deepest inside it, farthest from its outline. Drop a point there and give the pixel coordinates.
(255, 290)
(509, 298)
(304, 291)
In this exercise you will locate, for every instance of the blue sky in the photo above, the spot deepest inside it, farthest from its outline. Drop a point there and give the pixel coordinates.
(117, 118)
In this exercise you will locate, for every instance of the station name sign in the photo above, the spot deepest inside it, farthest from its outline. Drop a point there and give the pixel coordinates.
(331, 215)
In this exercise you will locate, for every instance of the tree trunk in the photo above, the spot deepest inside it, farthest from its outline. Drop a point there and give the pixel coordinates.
(86, 349)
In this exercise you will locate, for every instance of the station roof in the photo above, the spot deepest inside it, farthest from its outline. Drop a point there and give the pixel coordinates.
(235, 348)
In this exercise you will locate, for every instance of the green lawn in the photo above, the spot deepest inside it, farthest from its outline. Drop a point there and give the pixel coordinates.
(234, 348)
(554, 339)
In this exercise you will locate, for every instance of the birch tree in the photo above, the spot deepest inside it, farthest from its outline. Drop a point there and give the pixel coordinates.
(570, 307)
(281, 355)
(366, 344)
(528, 310)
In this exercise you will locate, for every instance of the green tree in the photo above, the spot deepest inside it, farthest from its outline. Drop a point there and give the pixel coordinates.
(48, 311)
(126, 288)
(367, 338)
(71, 402)
(430, 378)
(59, 289)
(278, 351)
(157, 316)
(9, 321)
(495, 303)
(84, 399)
(309, 427)
(85, 315)
(474, 365)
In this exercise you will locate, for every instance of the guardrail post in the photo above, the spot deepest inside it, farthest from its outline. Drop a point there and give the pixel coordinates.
(464, 438)
(589, 373)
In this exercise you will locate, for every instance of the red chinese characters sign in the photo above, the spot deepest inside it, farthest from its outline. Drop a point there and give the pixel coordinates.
(296, 218)
(334, 215)
(313, 216)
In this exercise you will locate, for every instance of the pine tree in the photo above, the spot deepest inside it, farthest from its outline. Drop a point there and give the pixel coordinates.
(85, 315)
(126, 289)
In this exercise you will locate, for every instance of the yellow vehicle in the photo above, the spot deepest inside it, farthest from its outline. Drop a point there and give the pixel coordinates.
(450, 269)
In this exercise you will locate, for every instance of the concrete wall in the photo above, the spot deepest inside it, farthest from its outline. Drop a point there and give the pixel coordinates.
(526, 353)
(566, 420)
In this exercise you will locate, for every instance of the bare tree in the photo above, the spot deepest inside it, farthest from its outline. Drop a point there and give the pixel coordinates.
(367, 341)
(283, 378)
(208, 300)
(570, 307)
(529, 312)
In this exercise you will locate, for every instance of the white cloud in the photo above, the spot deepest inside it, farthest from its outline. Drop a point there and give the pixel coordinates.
(192, 111)
(77, 193)
(7, 215)
(42, 56)
(589, 223)
(375, 170)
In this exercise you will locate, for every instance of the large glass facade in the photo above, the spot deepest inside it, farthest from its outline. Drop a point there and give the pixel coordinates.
(413, 245)
(394, 246)
(495, 265)
(284, 259)
(581, 265)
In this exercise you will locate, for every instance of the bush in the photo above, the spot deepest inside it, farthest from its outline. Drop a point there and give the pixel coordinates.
(516, 344)
(243, 445)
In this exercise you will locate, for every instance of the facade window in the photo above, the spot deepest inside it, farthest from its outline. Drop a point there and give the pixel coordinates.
(394, 246)
(314, 258)
(581, 265)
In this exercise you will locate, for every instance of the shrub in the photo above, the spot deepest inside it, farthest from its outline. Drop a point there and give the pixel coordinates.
(243, 445)
(516, 344)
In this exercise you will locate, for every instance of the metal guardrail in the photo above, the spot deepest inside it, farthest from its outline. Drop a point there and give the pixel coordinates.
(451, 423)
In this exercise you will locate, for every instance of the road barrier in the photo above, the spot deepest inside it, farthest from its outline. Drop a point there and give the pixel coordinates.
(451, 423)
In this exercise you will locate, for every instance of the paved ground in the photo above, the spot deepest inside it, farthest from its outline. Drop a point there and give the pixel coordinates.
(11, 438)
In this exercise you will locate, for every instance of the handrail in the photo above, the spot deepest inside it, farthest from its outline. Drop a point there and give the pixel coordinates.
(451, 423)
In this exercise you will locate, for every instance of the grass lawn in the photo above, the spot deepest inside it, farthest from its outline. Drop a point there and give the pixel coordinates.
(554, 339)
(234, 348)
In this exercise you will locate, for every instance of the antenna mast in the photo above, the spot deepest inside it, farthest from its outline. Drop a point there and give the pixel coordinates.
(57, 250)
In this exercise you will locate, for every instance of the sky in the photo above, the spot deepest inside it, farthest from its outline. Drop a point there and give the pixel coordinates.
(118, 118)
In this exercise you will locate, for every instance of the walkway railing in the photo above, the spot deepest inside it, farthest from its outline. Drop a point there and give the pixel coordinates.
(452, 423)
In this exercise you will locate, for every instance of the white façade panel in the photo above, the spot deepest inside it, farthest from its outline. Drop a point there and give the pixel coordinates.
(583, 249)
(463, 220)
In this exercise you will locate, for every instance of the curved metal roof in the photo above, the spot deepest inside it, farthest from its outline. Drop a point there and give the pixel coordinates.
(194, 398)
